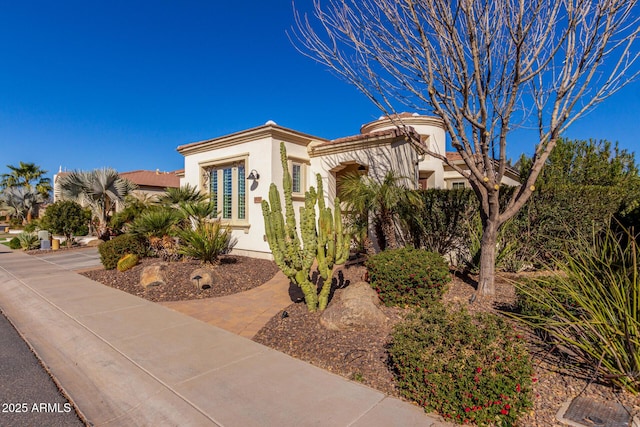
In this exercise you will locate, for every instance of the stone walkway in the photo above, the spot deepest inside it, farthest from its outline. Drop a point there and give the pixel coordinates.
(244, 313)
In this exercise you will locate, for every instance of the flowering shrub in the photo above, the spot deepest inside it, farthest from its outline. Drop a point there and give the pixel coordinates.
(408, 276)
(467, 369)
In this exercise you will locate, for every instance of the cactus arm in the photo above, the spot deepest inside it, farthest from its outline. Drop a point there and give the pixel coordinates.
(343, 239)
(293, 255)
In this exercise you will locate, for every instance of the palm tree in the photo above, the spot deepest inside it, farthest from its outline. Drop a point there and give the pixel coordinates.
(366, 197)
(99, 189)
(184, 194)
(27, 175)
(23, 201)
(198, 212)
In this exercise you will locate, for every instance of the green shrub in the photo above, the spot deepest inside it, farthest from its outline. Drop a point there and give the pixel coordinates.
(28, 241)
(601, 324)
(67, 218)
(14, 243)
(507, 246)
(467, 369)
(156, 222)
(111, 251)
(554, 217)
(536, 235)
(408, 276)
(438, 225)
(528, 305)
(127, 262)
(31, 227)
(206, 242)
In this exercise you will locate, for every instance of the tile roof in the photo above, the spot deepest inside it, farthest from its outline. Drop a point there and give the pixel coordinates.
(453, 156)
(159, 179)
(381, 134)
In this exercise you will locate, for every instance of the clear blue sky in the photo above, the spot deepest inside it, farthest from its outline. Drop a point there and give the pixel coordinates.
(86, 84)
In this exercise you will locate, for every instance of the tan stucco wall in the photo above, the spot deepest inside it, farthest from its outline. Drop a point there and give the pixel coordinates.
(261, 153)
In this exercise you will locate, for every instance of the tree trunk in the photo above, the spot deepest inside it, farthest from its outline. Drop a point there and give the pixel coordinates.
(486, 279)
(389, 231)
(368, 246)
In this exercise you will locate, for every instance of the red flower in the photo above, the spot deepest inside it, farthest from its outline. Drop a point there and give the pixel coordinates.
(478, 370)
(467, 409)
(518, 388)
(535, 380)
(507, 406)
(504, 412)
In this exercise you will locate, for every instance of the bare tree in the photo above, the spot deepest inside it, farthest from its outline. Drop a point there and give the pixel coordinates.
(486, 67)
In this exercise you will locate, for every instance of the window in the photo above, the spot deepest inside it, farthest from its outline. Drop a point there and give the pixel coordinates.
(457, 185)
(298, 169)
(296, 177)
(227, 187)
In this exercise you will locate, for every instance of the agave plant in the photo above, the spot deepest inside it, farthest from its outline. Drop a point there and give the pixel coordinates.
(28, 241)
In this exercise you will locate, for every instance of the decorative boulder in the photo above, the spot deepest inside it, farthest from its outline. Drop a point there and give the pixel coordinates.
(153, 275)
(356, 307)
(202, 278)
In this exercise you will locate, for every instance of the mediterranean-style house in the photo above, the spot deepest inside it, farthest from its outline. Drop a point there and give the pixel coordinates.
(237, 169)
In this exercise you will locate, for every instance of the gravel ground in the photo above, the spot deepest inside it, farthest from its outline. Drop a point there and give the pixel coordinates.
(232, 275)
(361, 355)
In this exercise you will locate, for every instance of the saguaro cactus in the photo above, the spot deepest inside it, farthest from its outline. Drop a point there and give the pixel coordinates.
(329, 244)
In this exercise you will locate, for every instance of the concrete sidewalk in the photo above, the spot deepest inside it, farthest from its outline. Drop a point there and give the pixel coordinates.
(126, 361)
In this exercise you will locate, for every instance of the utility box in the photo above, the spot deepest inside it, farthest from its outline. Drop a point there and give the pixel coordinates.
(45, 245)
(44, 235)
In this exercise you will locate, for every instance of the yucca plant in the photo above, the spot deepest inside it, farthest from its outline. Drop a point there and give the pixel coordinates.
(594, 309)
(206, 242)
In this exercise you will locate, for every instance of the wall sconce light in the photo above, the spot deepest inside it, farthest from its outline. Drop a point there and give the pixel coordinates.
(253, 175)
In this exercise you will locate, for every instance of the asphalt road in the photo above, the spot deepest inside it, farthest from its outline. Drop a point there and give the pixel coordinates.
(28, 395)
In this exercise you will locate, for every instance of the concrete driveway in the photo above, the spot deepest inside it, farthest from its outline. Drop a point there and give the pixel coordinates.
(75, 260)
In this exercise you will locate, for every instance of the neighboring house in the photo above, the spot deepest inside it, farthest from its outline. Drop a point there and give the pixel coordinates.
(150, 183)
(237, 169)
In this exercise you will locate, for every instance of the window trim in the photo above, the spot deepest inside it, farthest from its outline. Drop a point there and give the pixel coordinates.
(304, 165)
(219, 166)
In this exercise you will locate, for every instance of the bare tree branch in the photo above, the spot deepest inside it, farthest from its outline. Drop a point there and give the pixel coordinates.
(485, 67)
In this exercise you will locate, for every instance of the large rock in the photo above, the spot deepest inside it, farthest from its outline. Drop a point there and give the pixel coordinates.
(356, 307)
(153, 275)
(203, 278)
